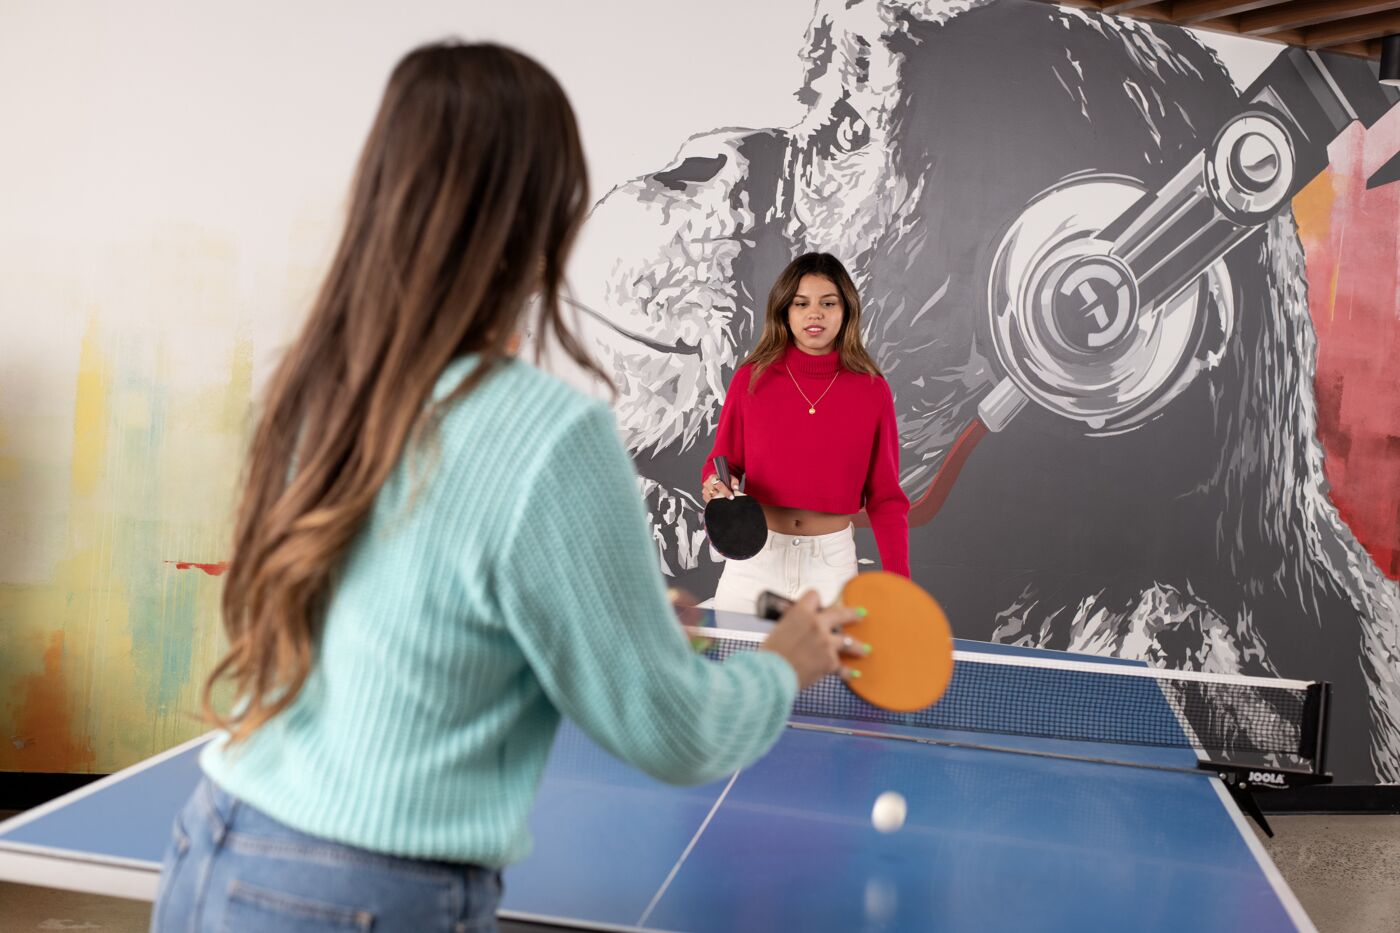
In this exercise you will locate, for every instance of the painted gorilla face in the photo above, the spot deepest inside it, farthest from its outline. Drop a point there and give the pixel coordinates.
(911, 163)
(1199, 538)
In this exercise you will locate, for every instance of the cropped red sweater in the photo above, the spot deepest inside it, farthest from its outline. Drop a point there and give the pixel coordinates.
(840, 460)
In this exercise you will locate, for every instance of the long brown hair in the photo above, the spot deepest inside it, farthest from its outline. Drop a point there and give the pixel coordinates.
(777, 332)
(466, 200)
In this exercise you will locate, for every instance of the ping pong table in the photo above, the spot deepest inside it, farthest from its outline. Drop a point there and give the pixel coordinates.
(1031, 836)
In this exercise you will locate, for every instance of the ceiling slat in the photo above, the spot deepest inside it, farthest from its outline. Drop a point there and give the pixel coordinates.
(1188, 12)
(1308, 13)
(1156, 13)
(1348, 27)
(1370, 48)
(1355, 29)
(1124, 6)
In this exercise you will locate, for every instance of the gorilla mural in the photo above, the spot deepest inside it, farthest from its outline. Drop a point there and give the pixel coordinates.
(1146, 479)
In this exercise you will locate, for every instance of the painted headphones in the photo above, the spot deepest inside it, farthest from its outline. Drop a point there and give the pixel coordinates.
(1105, 300)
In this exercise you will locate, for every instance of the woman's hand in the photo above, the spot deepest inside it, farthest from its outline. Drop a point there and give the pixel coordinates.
(713, 487)
(809, 638)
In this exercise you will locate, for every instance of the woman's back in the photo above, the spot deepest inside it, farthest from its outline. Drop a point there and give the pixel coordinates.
(502, 576)
(439, 550)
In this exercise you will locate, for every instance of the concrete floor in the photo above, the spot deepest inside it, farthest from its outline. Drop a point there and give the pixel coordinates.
(1344, 869)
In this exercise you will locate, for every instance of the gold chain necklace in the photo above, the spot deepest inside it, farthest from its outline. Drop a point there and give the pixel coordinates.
(811, 405)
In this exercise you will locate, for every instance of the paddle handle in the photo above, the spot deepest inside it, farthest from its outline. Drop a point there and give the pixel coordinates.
(722, 470)
(771, 606)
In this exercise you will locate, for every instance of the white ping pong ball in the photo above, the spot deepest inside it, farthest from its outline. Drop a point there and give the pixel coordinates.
(889, 812)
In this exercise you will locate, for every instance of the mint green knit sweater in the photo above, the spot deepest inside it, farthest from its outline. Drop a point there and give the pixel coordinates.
(503, 578)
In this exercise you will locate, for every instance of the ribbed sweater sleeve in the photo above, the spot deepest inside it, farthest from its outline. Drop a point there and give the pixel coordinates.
(885, 501)
(584, 599)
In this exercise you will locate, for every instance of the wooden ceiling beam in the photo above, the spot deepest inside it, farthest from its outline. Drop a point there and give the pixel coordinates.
(1125, 6)
(1157, 13)
(1190, 12)
(1354, 29)
(1371, 48)
(1264, 22)
(1304, 13)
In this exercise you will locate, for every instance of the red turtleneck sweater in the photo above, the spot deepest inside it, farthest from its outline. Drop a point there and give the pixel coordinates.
(842, 459)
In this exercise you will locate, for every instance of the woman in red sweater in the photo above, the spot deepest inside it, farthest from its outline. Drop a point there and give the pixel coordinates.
(809, 424)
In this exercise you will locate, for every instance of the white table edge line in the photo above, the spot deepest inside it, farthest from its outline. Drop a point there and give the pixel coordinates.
(56, 854)
(1107, 665)
(573, 922)
(1285, 894)
(675, 869)
(44, 809)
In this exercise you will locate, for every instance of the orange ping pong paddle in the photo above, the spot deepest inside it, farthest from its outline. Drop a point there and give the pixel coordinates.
(911, 646)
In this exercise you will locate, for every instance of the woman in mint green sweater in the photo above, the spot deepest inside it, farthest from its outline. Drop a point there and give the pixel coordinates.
(440, 550)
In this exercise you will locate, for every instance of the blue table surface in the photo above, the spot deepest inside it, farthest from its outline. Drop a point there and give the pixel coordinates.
(992, 841)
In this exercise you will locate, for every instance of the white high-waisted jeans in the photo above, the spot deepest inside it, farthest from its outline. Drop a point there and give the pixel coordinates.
(789, 565)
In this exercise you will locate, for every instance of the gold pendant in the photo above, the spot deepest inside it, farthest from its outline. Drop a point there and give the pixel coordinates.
(811, 411)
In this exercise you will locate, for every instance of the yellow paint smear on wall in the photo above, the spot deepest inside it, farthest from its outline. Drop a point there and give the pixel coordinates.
(152, 475)
(90, 414)
(1313, 210)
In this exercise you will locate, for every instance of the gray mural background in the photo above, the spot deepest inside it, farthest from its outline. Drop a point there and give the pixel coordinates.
(1199, 536)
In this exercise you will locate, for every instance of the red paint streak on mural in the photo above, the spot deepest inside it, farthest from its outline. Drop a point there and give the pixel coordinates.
(44, 736)
(1351, 237)
(213, 570)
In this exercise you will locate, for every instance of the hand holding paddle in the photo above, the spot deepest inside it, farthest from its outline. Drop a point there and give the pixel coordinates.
(735, 525)
(714, 487)
(910, 661)
(808, 637)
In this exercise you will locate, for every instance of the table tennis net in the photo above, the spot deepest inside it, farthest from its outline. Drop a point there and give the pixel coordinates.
(1232, 718)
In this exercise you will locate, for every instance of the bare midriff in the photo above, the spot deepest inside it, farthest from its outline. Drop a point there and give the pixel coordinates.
(803, 521)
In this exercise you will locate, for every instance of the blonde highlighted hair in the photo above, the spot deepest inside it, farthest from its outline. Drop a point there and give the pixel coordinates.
(777, 332)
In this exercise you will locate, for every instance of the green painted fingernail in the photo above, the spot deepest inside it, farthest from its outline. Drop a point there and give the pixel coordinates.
(853, 674)
(867, 647)
(861, 612)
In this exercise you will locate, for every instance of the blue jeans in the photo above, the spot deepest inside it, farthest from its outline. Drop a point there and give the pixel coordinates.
(232, 868)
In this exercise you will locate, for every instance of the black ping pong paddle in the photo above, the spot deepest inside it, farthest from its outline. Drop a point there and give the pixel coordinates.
(736, 527)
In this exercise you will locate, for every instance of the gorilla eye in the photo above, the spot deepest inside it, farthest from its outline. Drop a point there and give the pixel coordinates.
(852, 134)
(844, 132)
